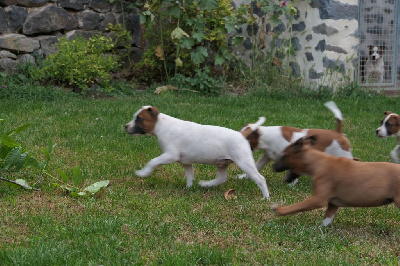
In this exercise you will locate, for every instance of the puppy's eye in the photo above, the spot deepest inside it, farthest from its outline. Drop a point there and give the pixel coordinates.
(388, 124)
(138, 118)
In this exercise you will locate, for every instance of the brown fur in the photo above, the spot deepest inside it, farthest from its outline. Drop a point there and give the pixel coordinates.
(148, 119)
(393, 121)
(325, 137)
(340, 182)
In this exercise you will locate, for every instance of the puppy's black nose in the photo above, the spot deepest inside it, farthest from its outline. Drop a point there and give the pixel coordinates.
(377, 132)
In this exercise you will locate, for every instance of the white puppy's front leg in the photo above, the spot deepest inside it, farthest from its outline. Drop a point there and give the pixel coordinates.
(164, 158)
(189, 173)
(395, 154)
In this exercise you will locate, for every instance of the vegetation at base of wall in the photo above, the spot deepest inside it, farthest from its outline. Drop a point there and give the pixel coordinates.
(79, 63)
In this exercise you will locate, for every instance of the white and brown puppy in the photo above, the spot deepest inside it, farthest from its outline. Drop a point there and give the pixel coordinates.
(338, 182)
(273, 140)
(188, 143)
(375, 66)
(390, 126)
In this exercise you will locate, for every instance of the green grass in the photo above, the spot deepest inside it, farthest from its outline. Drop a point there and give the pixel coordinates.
(157, 220)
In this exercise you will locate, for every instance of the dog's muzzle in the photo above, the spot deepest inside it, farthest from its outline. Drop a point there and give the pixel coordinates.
(280, 167)
(134, 130)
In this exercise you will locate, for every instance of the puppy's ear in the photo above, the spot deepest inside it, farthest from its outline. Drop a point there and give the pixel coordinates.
(370, 47)
(387, 113)
(382, 47)
(298, 143)
(312, 140)
(153, 111)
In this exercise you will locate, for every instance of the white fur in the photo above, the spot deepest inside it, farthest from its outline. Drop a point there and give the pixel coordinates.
(375, 66)
(382, 133)
(328, 220)
(334, 109)
(188, 143)
(272, 142)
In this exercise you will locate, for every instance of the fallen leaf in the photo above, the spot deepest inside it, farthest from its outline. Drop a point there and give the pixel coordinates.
(230, 194)
(164, 88)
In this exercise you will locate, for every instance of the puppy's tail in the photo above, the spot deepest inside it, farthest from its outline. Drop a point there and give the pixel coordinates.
(250, 128)
(338, 114)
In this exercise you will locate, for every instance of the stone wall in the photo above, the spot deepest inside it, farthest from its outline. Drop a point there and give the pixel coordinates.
(30, 28)
(325, 34)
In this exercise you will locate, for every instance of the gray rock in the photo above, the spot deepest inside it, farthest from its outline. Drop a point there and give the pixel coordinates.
(321, 46)
(109, 18)
(7, 54)
(16, 17)
(18, 43)
(3, 21)
(7, 64)
(26, 59)
(8, 2)
(73, 4)
(335, 10)
(48, 44)
(299, 26)
(337, 65)
(312, 74)
(309, 56)
(80, 33)
(295, 68)
(336, 49)
(101, 6)
(324, 29)
(32, 3)
(89, 20)
(49, 19)
(247, 43)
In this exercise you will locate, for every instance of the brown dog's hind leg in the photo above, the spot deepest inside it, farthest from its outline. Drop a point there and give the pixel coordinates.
(330, 214)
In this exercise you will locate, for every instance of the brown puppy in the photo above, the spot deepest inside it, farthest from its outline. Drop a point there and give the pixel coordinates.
(337, 181)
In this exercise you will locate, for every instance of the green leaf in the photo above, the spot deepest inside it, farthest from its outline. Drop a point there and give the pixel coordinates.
(199, 55)
(94, 188)
(9, 142)
(77, 176)
(68, 188)
(219, 59)
(18, 129)
(237, 40)
(23, 183)
(198, 36)
(12, 158)
(186, 42)
(208, 4)
(178, 62)
(63, 175)
(178, 33)
(174, 11)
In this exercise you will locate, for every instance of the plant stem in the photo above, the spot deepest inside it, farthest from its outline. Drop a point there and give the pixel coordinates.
(162, 46)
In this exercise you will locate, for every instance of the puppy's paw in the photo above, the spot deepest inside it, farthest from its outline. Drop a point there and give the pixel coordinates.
(274, 207)
(242, 176)
(204, 183)
(142, 173)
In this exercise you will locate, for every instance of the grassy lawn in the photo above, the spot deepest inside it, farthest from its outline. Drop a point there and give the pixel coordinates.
(157, 220)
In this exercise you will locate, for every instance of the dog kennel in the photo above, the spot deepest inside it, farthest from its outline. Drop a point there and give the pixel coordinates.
(379, 22)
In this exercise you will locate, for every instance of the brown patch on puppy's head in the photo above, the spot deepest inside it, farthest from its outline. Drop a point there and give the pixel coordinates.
(251, 136)
(390, 125)
(143, 121)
